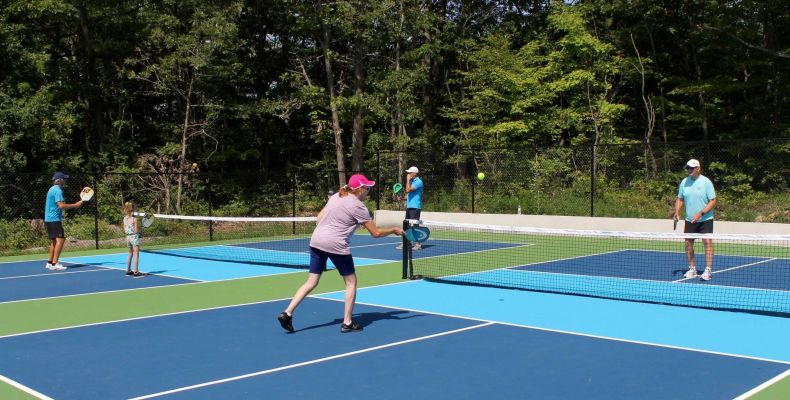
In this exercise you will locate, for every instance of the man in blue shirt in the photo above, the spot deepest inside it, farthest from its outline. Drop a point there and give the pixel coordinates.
(696, 193)
(414, 188)
(53, 215)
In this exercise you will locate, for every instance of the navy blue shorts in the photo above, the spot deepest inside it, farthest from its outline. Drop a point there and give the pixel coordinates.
(343, 262)
(413, 213)
(699, 227)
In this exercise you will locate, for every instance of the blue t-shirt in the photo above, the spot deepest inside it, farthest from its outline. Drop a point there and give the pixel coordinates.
(414, 198)
(696, 194)
(53, 213)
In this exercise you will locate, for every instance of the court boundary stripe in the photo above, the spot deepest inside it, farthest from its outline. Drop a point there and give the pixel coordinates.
(57, 274)
(315, 296)
(476, 251)
(574, 333)
(192, 282)
(310, 362)
(63, 328)
(738, 267)
(320, 296)
(763, 386)
(24, 388)
(519, 269)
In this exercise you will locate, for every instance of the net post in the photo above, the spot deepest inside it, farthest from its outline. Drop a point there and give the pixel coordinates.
(293, 203)
(378, 179)
(593, 150)
(96, 211)
(210, 223)
(473, 194)
(406, 249)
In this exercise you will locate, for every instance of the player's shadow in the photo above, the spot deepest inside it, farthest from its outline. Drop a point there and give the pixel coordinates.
(366, 319)
(679, 272)
(84, 265)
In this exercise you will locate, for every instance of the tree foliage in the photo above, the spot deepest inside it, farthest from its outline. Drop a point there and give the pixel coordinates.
(271, 85)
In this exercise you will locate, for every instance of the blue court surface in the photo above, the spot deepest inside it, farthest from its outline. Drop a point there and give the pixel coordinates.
(422, 340)
(27, 280)
(242, 353)
(730, 270)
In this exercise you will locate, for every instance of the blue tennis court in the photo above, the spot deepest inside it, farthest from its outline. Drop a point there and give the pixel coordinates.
(241, 352)
(27, 280)
(729, 270)
(422, 339)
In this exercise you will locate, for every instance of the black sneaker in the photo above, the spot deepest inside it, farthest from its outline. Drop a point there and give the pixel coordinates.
(286, 321)
(129, 273)
(139, 274)
(352, 327)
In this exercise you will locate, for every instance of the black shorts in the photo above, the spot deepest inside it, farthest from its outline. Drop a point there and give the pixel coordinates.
(413, 213)
(54, 230)
(699, 227)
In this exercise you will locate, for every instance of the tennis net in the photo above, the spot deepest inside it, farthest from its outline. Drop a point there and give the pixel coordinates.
(750, 272)
(270, 241)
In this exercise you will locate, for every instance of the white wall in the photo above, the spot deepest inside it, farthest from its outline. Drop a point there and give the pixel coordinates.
(395, 218)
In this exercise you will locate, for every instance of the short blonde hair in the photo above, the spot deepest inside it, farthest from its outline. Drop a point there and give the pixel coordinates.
(128, 208)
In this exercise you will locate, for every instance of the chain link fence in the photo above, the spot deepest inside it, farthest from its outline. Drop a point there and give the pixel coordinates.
(623, 180)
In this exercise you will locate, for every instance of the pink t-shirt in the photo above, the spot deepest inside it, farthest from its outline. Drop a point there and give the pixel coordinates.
(342, 216)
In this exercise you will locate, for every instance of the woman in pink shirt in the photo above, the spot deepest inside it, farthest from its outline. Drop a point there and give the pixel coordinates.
(341, 216)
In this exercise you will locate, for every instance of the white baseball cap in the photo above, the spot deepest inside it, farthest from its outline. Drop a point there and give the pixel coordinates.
(413, 169)
(692, 163)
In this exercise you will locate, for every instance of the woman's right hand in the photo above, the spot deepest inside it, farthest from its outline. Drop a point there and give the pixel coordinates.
(398, 231)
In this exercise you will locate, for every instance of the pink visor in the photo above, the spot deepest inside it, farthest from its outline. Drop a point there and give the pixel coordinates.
(358, 180)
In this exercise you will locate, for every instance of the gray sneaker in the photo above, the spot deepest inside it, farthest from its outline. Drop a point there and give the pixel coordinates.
(706, 275)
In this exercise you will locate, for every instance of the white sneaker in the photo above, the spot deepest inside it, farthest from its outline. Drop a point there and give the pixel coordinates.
(58, 267)
(691, 273)
(706, 275)
(49, 266)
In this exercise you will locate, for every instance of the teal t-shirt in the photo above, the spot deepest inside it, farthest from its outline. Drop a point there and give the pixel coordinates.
(696, 193)
(414, 198)
(53, 213)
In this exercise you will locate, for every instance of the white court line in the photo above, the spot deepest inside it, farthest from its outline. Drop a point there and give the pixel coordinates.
(375, 244)
(117, 321)
(733, 268)
(105, 292)
(518, 269)
(176, 312)
(517, 245)
(57, 273)
(514, 269)
(573, 333)
(316, 361)
(193, 282)
(24, 388)
(763, 385)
